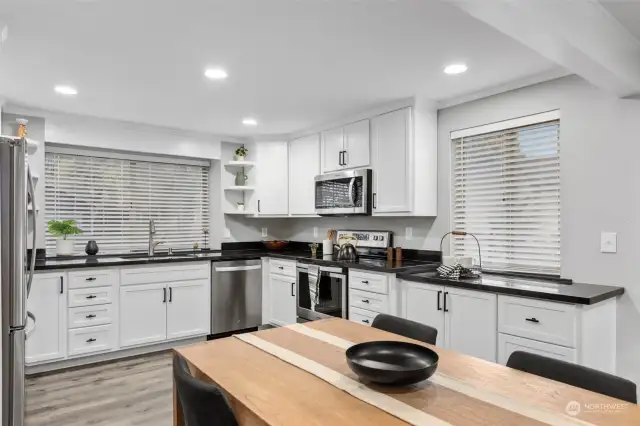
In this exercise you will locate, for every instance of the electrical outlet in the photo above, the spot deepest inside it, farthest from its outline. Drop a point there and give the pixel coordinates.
(315, 232)
(408, 232)
(265, 232)
(608, 242)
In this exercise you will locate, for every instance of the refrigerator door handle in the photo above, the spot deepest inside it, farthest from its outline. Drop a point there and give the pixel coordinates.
(33, 317)
(32, 266)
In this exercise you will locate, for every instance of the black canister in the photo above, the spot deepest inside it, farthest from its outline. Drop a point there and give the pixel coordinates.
(91, 248)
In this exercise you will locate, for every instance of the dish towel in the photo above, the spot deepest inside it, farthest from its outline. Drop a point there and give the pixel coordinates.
(314, 275)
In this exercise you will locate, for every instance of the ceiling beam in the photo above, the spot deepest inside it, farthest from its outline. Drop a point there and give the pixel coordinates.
(579, 35)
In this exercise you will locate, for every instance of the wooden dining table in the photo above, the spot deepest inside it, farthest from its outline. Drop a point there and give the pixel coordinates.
(266, 382)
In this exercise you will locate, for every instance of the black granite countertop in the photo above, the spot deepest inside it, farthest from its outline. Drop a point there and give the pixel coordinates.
(583, 294)
(379, 265)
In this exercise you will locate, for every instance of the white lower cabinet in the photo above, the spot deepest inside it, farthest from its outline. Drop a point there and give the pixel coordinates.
(508, 344)
(88, 340)
(282, 300)
(466, 320)
(48, 302)
(143, 314)
(188, 309)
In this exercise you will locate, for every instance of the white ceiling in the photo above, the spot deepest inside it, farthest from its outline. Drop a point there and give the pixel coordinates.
(627, 12)
(291, 64)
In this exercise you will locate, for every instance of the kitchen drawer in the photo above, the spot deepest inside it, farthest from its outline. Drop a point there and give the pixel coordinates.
(549, 322)
(90, 296)
(88, 340)
(369, 282)
(93, 278)
(161, 274)
(508, 344)
(369, 301)
(283, 267)
(362, 316)
(86, 316)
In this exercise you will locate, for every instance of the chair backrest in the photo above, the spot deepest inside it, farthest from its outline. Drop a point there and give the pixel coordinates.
(405, 327)
(574, 375)
(203, 404)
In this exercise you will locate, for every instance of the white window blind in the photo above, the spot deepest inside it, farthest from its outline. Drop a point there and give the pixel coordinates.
(506, 191)
(113, 200)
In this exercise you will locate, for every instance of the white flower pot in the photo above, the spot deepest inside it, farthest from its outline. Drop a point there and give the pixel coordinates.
(239, 157)
(64, 247)
(240, 207)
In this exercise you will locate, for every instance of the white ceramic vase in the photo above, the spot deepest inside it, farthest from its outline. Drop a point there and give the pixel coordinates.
(64, 247)
(239, 157)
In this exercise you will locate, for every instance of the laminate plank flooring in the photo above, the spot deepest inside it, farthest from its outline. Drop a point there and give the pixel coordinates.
(131, 392)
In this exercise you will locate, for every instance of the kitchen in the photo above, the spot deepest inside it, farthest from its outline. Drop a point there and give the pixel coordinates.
(141, 307)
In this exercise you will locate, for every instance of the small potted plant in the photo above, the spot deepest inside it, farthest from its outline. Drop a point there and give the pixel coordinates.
(241, 153)
(62, 229)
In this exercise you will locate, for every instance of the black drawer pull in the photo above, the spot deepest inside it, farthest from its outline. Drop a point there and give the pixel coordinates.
(532, 320)
(90, 316)
(91, 296)
(91, 279)
(365, 282)
(91, 340)
(280, 267)
(365, 321)
(365, 300)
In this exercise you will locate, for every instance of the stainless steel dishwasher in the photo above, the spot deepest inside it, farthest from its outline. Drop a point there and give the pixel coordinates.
(236, 295)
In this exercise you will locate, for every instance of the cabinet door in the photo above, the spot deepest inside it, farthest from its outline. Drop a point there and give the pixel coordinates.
(423, 303)
(471, 323)
(143, 314)
(509, 344)
(357, 144)
(188, 309)
(272, 178)
(47, 301)
(304, 166)
(332, 146)
(282, 299)
(391, 142)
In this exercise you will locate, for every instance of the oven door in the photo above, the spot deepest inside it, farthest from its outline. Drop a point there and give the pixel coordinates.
(344, 193)
(324, 297)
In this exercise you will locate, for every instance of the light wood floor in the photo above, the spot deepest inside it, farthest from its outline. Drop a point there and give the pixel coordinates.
(136, 391)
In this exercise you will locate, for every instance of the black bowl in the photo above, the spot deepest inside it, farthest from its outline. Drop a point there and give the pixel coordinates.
(392, 363)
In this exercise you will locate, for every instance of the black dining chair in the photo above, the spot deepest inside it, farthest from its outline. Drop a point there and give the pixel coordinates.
(406, 328)
(202, 404)
(574, 375)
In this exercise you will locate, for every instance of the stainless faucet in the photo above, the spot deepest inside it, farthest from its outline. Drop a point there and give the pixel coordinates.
(152, 232)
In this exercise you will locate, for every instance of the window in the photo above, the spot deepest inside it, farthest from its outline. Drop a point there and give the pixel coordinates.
(113, 199)
(506, 191)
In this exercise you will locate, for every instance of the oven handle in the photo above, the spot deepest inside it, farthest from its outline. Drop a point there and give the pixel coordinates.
(351, 197)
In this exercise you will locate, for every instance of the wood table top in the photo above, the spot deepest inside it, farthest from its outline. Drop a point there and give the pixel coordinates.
(265, 390)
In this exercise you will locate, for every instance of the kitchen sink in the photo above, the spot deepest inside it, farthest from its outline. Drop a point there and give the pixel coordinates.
(159, 256)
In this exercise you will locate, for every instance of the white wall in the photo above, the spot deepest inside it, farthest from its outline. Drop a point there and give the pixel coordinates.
(600, 186)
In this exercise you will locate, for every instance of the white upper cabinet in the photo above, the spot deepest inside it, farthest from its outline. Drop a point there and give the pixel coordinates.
(392, 185)
(356, 145)
(332, 150)
(304, 166)
(272, 195)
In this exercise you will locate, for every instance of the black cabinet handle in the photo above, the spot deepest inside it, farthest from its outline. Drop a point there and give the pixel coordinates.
(365, 282)
(164, 295)
(374, 200)
(61, 285)
(445, 301)
(280, 267)
(91, 340)
(170, 294)
(365, 301)
(532, 320)
(90, 316)
(365, 321)
(90, 279)
(258, 206)
(439, 293)
(293, 285)
(91, 296)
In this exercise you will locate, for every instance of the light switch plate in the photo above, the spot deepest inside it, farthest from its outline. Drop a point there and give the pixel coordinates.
(264, 232)
(609, 242)
(408, 233)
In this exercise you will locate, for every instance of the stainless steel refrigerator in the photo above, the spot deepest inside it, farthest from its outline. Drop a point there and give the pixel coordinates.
(16, 191)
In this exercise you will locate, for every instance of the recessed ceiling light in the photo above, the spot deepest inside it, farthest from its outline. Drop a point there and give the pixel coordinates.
(249, 122)
(215, 73)
(66, 90)
(455, 69)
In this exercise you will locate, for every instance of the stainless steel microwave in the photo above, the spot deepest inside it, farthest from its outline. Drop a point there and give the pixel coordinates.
(344, 193)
